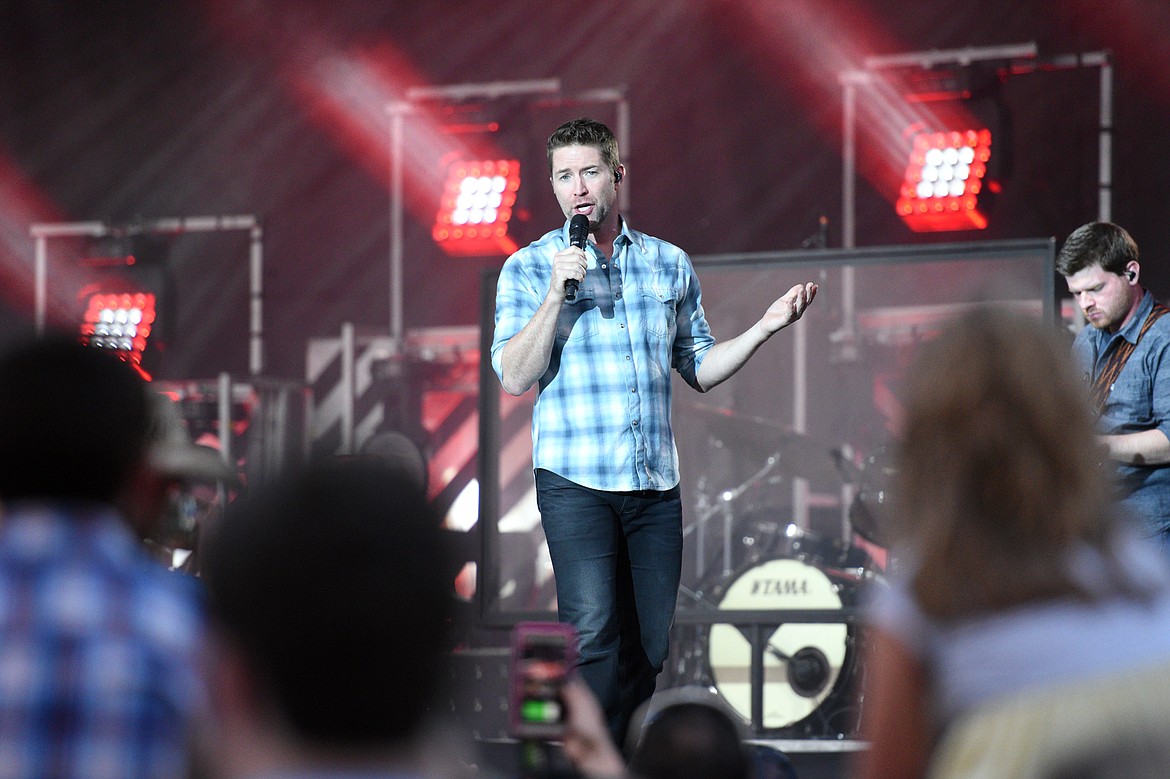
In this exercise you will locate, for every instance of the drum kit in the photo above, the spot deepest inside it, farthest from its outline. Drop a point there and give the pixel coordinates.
(762, 563)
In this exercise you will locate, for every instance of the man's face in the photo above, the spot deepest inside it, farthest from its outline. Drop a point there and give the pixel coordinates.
(1105, 298)
(583, 183)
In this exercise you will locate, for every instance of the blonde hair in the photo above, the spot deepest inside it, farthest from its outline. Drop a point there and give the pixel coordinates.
(998, 468)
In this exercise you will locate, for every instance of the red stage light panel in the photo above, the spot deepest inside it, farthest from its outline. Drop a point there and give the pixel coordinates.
(943, 181)
(477, 203)
(120, 322)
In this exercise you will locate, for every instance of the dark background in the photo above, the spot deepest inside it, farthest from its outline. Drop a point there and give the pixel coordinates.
(135, 110)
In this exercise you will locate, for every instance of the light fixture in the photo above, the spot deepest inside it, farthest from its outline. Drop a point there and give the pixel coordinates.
(476, 207)
(944, 181)
(120, 323)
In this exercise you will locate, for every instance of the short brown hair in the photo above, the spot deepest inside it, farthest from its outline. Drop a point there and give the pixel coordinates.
(1097, 243)
(586, 132)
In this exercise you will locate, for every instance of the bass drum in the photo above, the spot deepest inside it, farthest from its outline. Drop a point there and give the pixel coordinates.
(804, 664)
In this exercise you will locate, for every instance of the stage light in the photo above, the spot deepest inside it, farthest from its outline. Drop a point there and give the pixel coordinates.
(476, 206)
(944, 180)
(120, 322)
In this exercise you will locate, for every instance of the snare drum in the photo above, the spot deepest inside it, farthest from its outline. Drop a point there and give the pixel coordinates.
(803, 663)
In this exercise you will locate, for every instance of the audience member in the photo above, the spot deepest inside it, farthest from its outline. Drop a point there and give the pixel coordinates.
(684, 733)
(98, 644)
(329, 601)
(690, 740)
(1026, 622)
(179, 492)
(588, 743)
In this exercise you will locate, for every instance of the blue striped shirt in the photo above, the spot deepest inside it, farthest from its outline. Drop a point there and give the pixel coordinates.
(602, 412)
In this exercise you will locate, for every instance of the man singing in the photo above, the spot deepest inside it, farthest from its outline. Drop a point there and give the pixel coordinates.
(607, 476)
(1126, 357)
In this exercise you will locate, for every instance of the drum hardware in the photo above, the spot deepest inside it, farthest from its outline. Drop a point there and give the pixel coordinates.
(869, 511)
(803, 665)
(800, 454)
(786, 455)
(705, 510)
(807, 670)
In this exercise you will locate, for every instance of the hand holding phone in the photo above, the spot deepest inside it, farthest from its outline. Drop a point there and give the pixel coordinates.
(543, 654)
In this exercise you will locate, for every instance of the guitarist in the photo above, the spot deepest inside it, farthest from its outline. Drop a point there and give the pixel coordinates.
(1125, 357)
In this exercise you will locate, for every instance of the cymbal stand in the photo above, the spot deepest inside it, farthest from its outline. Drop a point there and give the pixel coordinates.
(705, 508)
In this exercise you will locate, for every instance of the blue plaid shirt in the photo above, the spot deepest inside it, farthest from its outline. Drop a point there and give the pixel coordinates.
(602, 411)
(98, 648)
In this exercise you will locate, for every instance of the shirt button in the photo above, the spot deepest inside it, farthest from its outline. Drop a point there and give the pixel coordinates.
(618, 296)
(627, 358)
(633, 390)
(622, 325)
(635, 423)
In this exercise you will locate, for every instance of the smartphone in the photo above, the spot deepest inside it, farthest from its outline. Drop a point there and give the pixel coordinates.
(543, 655)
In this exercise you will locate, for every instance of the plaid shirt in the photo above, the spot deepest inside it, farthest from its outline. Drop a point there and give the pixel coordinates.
(602, 411)
(98, 648)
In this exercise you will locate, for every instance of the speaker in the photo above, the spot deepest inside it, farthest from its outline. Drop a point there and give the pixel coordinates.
(477, 692)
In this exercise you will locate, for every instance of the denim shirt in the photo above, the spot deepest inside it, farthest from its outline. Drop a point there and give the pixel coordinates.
(1139, 400)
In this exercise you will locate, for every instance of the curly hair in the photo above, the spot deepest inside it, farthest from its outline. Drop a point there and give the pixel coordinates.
(998, 467)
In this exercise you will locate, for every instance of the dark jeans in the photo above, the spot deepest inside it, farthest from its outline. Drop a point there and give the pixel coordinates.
(617, 558)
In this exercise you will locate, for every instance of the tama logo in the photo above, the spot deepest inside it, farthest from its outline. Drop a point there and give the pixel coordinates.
(780, 587)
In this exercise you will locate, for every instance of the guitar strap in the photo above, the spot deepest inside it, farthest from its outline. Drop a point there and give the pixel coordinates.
(1103, 383)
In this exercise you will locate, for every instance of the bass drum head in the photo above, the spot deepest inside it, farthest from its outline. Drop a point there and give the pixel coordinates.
(803, 663)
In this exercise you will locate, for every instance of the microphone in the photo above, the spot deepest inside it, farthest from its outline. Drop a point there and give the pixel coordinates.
(578, 236)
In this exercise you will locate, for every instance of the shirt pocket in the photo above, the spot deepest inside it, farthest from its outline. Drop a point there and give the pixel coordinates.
(1131, 399)
(578, 318)
(658, 311)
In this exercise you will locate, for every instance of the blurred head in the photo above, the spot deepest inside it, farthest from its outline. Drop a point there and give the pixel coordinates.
(176, 489)
(73, 422)
(1100, 263)
(691, 740)
(332, 587)
(998, 465)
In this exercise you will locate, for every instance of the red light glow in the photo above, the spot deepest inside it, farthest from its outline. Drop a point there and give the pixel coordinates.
(119, 322)
(940, 190)
(476, 205)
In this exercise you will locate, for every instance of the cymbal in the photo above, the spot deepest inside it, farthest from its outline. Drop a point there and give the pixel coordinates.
(736, 422)
(795, 453)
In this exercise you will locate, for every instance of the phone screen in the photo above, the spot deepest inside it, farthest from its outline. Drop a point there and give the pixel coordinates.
(542, 658)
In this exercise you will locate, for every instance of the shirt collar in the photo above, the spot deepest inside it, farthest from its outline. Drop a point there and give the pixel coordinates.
(632, 237)
(1133, 327)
